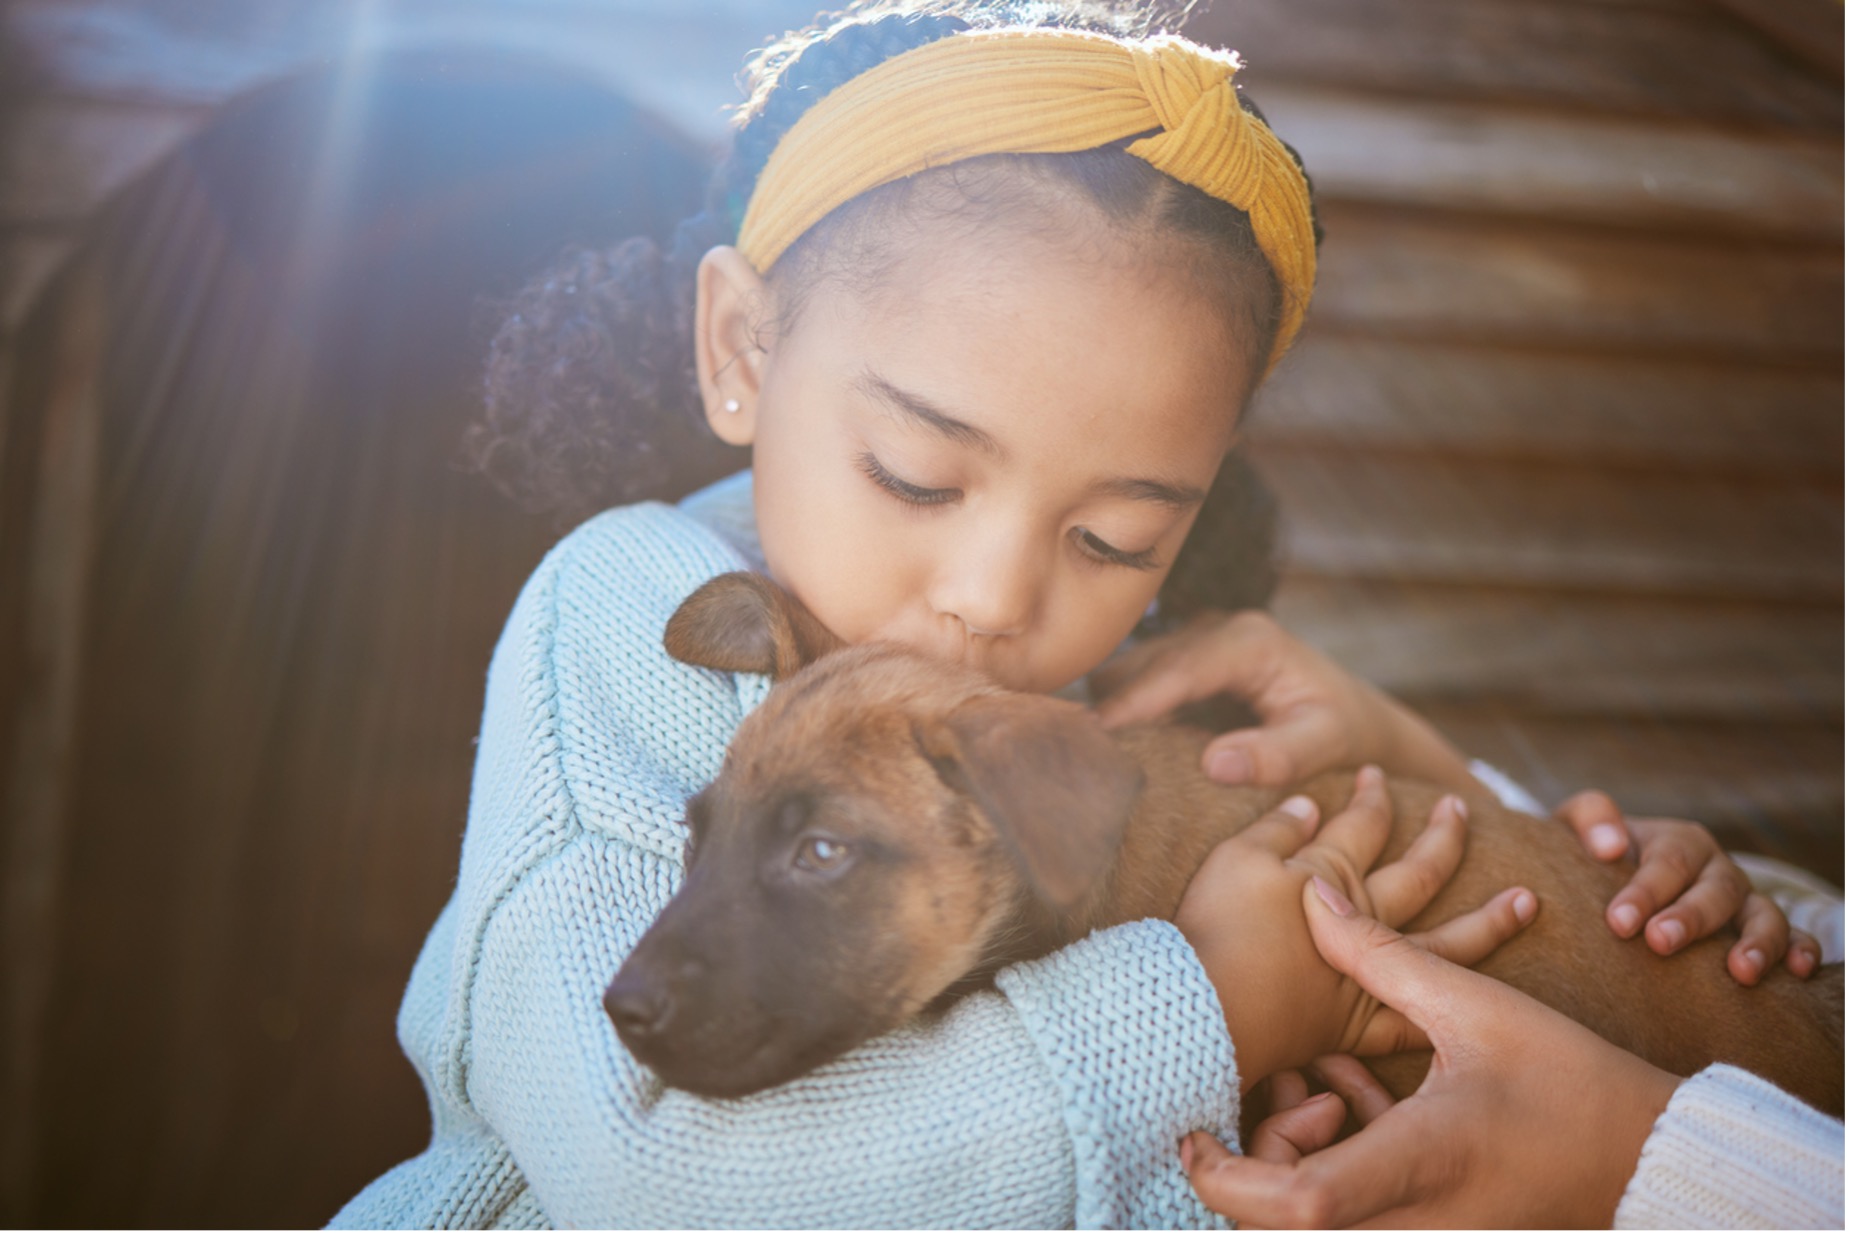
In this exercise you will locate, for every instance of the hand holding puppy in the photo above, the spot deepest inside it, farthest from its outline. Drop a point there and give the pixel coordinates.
(1526, 1120)
(1315, 716)
(1686, 888)
(1284, 1004)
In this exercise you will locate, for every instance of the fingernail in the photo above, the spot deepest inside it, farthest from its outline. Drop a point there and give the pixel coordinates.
(1187, 1153)
(1671, 933)
(1332, 897)
(1525, 906)
(1370, 775)
(1608, 841)
(1624, 919)
(1230, 764)
(1755, 961)
(1456, 806)
(1801, 962)
(1301, 806)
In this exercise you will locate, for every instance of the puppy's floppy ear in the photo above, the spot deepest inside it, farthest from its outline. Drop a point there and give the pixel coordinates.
(743, 621)
(1055, 785)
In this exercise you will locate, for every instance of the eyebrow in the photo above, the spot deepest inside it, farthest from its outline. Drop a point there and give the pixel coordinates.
(1146, 490)
(921, 410)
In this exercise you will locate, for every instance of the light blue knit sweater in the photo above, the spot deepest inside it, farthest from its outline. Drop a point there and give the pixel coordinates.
(1057, 1100)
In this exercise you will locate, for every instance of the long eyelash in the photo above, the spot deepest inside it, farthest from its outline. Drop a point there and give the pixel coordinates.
(918, 496)
(904, 491)
(1104, 551)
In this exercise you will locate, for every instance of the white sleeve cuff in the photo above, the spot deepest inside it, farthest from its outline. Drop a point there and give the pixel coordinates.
(1734, 1151)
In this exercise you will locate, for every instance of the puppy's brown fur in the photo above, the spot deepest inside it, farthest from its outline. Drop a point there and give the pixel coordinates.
(889, 831)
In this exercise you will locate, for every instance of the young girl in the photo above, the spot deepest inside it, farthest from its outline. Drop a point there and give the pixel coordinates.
(985, 302)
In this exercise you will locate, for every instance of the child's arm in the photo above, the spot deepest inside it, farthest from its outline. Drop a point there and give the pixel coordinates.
(1056, 1100)
(1315, 716)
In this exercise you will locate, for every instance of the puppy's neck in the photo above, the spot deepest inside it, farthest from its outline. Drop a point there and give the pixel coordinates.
(1179, 817)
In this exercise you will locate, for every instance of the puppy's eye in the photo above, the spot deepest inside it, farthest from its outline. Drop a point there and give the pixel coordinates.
(820, 854)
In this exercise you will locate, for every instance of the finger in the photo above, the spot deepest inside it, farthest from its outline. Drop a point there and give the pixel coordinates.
(1403, 888)
(1473, 936)
(1284, 829)
(1356, 1084)
(1465, 940)
(1287, 1089)
(1386, 1032)
(1359, 831)
(1805, 953)
(1702, 910)
(1426, 989)
(1764, 937)
(1287, 748)
(1292, 1133)
(1598, 822)
(1354, 1180)
(1670, 863)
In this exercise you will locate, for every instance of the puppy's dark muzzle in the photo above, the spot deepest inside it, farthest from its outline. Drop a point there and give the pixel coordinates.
(693, 1030)
(640, 1008)
(647, 998)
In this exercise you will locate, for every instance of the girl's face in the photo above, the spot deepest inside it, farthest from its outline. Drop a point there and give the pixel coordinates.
(994, 458)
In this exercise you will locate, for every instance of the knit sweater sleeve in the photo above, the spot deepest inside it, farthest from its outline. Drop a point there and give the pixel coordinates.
(1734, 1151)
(1056, 1100)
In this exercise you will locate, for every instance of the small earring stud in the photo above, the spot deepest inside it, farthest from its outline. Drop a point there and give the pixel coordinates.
(731, 405)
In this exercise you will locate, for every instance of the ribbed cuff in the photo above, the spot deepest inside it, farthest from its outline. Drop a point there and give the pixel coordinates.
(1734, 1151)
(1132, 1030)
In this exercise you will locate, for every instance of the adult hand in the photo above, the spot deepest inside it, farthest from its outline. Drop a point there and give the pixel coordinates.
(1314, 715)
(1686, 888)
(1526, 1120)
(1284, 1004)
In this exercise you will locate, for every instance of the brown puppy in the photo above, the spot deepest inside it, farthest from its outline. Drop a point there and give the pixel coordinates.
(889, 831)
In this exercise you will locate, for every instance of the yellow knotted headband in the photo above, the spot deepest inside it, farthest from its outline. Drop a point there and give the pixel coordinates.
(1041, 92)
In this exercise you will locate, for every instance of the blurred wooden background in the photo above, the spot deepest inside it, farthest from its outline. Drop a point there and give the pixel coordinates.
(1560, 457)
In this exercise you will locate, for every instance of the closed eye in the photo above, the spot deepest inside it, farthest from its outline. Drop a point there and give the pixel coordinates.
(904, 491)
(1091, 545)
(1098, 548)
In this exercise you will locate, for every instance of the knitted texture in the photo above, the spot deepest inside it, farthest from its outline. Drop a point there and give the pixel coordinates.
(1734, 1151)
(1057, 1100)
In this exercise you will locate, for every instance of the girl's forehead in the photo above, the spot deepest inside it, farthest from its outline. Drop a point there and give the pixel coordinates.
(1062, 330)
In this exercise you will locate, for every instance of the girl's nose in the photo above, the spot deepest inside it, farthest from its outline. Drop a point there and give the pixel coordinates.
(989, 588)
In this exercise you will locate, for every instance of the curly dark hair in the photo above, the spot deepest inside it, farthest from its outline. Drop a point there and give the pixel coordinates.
(590, 392)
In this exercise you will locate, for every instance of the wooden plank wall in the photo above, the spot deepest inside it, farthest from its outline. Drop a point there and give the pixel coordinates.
(1561, 452)
(245, 612)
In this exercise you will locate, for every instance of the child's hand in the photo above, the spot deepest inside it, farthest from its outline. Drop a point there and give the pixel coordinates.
(1314, 715)
(1243, 914)
(1526, 1120)
(1686, 888)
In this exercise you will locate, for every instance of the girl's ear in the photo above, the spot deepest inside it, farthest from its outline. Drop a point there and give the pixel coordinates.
(730, 303)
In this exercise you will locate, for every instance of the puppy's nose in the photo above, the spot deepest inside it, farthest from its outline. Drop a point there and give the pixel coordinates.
(639, 1008)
